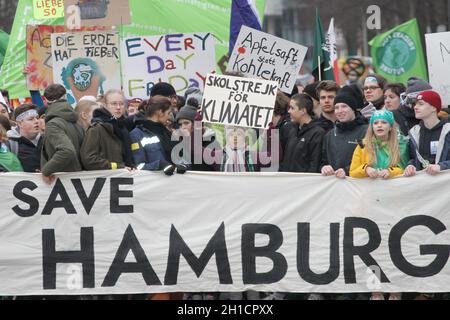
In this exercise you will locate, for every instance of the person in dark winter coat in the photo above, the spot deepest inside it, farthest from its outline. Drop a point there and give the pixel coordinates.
(25, 140)
(303, 151)
(107, 143)
(349, 130)
(405, 115)
(151, 141)
(429, 141)
(63, 136)
(326, 92)
(193, 138)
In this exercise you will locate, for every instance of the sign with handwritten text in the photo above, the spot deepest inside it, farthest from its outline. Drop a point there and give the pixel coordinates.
(438, 53)
(183, 60)
(39, 54)
(86, 63)
(260, 55)
(238, 101)
(45, 9)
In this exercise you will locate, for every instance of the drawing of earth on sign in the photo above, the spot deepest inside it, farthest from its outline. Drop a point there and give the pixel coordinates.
(83, 77)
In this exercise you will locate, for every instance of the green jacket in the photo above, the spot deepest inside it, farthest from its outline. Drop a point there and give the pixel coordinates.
(101, 149)
(62, 140)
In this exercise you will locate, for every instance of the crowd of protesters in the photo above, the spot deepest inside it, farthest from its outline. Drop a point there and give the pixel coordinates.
(375, 130)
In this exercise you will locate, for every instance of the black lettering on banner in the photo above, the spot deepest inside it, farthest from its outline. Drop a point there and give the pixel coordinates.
(88, 201)
(250, 252)
(441, 251)
(116, 194)
(51, 257)
(216, 246)
(31, 201)
(350, 250)
(142, 265)
(303, 254)
(52, 203)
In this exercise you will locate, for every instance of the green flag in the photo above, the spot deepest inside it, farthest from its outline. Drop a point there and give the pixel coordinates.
(161, 17)
(398, 55)
(321, 70)
(4, 39)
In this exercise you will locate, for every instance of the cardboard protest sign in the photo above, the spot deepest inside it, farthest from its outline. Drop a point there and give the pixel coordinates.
(39, 54)
(45, 9)
(80, 13)
(259, 55)
(182, 60)
(438, 53)
(239, 101)
(87, 63)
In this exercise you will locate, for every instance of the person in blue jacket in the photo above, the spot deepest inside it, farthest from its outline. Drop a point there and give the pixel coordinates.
(151, 141)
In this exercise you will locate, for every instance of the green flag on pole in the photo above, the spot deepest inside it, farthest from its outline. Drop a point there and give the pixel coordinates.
(398, 55)
(322, 69)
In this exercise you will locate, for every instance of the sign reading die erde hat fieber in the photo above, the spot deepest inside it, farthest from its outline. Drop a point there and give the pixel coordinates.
(260, 55)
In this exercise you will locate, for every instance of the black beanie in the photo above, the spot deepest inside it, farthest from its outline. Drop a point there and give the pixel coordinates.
(348, 96)
(163, 89)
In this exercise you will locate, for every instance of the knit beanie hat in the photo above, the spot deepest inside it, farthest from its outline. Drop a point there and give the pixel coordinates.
(383, 115)
(431, 97)
(416, 85)
(351, 96)
(187, 112)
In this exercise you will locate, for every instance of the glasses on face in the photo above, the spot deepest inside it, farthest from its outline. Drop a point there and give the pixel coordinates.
(371, 88)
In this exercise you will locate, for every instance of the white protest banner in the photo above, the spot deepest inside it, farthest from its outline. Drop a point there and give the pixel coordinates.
(238, 101)
(183, 60)
(86, 63)
(116, 232)
(438, 56)
(260, 55)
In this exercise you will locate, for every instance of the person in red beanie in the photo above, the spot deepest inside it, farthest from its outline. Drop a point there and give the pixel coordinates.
(429, 141)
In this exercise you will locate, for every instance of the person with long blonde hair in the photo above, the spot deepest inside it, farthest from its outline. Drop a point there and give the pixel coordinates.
(383, 153)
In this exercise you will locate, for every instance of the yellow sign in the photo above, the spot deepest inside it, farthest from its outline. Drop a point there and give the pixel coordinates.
(45, 9)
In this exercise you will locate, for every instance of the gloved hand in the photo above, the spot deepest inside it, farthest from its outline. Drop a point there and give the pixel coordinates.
(181, 168)
(169, 170)
(166, 167)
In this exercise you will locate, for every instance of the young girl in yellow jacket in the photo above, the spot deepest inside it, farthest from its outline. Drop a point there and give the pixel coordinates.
(384, 153)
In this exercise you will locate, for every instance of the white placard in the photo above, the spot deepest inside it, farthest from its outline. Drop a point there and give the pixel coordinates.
(239, 101)
(438, 56)
(183, 60)
(260, 55)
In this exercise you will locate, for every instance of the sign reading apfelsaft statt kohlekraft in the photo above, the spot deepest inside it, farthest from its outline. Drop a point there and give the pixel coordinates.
(260, 55)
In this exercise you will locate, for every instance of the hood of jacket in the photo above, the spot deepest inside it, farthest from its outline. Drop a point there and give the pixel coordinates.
(61, 109)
